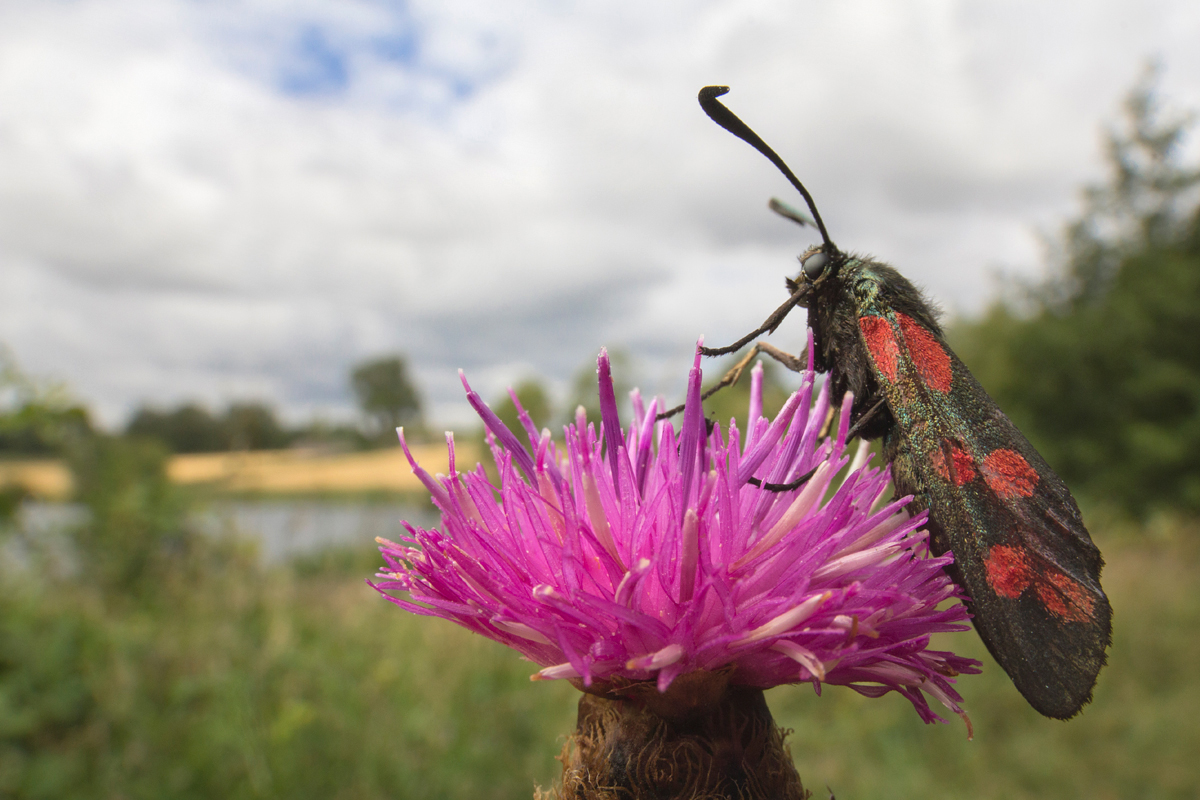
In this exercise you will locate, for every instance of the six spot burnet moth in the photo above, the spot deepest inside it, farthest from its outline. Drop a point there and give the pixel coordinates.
(1021, 552)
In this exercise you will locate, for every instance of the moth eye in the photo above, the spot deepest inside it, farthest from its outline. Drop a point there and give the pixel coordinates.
(814, 265)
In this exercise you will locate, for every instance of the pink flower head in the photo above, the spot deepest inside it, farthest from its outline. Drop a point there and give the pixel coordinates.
(644, 554)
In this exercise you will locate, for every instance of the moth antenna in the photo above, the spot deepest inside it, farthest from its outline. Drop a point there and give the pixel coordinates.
(794, 214)
(730, 122)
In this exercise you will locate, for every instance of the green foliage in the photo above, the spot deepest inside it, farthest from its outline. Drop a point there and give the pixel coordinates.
(253, 426)
(186, 429)
(386, 394)
(189, 428)
(11, 497)
(259, 685)
(36, 419)
(1098, 364)
(328, 435)
(135, 524)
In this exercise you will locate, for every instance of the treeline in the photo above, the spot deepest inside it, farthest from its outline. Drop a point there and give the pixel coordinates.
(36, 419)
(193, 429)
(386, 394)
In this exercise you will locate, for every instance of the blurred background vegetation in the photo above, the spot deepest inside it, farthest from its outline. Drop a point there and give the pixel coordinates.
(1099, 364)
(141, 657)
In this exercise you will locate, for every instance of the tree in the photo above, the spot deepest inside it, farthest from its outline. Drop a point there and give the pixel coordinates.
(385, 394)
(1099, 363)
(36, 418)
(136, 515)
(253, 426)
(189, 428)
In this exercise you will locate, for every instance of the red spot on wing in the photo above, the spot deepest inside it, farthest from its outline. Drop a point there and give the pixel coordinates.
(1008, 570)
(1064, 597)
(1009, 573)
(1009, 474)
(931, 359)
(877, 332)
(959, 468)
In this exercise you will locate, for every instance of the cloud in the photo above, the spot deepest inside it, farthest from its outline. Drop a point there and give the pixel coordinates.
(242, 199)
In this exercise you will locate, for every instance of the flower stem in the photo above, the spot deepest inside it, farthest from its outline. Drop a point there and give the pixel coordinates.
(709, 740)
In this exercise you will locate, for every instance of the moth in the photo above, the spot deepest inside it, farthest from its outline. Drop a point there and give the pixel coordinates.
(1021, 552)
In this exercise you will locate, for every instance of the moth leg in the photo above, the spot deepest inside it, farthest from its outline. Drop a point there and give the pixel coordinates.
(827, 425)
(784, 487)
(769, 326)
(794, 363)
(865, 418)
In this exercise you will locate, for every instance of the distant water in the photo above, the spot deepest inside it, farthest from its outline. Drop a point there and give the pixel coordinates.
(284, 529)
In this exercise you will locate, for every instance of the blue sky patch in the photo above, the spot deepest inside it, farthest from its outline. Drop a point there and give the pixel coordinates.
(399, 48)
(317, 65)
(323, 61)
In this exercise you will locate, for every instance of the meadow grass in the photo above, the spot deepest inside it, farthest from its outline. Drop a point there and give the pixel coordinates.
(236, 681)
(1138, 739)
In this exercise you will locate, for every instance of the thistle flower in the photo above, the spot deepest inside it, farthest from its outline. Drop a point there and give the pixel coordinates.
(641, 554)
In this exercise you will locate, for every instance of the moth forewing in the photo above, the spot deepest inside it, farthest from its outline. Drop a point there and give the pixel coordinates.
(1021, 550)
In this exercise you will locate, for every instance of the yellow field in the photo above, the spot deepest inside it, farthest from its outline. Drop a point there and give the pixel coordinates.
(43, 477)
(273, 471)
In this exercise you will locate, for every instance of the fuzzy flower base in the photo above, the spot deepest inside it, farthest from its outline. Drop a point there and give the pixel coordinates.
(702, 738)
(636, 554)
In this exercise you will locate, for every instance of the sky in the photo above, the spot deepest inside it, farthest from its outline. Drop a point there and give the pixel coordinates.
(228, 200)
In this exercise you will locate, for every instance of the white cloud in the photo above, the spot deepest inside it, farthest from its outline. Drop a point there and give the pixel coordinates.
(242, 199)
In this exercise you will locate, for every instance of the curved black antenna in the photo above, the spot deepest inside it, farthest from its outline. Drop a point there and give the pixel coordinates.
(729, 121)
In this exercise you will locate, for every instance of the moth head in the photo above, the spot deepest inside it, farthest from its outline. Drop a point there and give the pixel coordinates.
(817, 266)
(814, 264)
